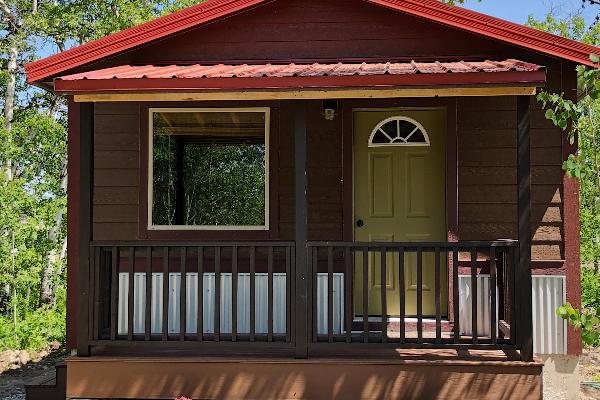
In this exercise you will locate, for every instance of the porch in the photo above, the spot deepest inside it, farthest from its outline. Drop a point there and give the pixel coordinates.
(306, 298)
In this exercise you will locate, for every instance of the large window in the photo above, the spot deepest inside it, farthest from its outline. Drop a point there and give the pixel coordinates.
(209, 169)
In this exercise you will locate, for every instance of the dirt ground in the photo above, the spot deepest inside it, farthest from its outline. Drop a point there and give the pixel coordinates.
(590, 371)
(13, 379)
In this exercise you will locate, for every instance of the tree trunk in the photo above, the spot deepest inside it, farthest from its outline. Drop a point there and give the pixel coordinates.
(47, 293)
(9, 97)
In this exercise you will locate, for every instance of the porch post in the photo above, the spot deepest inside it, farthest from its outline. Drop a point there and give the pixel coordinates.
(86, 127)
(301, 278)
(522, 284)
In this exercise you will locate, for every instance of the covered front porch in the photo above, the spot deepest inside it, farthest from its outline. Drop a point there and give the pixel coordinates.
(258, 293)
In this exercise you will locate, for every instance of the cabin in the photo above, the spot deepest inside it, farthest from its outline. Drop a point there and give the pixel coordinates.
(319, 199)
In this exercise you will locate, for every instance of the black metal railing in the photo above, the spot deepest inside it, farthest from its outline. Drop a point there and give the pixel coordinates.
(368, 267)
(190, 292)
(175, 293)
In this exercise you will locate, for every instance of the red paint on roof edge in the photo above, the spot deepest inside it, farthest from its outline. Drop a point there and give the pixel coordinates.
(212, 10)
(127, 39)
(495, 28)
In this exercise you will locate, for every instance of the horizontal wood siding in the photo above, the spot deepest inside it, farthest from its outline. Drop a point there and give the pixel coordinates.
(116, 171)
(487, 175)
(316, 30)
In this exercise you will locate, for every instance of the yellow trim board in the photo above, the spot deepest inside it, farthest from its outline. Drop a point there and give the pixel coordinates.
(309, 94)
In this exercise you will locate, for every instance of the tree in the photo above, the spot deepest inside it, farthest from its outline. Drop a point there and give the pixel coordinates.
(33, 155)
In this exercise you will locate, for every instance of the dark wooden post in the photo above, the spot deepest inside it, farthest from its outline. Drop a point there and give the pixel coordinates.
(301, 278)
(522, 284)
(86, 152)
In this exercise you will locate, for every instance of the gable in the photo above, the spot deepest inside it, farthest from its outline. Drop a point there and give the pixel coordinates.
(318, 31)
(281, 30)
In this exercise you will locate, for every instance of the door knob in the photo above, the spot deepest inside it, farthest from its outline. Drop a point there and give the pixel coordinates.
(360, 223)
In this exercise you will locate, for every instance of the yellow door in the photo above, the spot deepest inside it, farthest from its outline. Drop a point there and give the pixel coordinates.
(399, 196)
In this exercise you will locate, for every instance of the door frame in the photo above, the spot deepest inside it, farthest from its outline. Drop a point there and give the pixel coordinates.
(450, 104)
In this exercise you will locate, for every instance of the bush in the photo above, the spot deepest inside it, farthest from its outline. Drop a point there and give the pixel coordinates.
(590, 289)
(35, 330)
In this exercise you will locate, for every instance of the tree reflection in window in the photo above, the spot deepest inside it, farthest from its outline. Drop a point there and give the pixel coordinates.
(399, 131)
(209, 169)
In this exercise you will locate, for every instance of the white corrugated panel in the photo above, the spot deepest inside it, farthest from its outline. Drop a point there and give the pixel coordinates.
(483, 305)
(261, 306)
(549, 330)
(548, 293)
(323, 301)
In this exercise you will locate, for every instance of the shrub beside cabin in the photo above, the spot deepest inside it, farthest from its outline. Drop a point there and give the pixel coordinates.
(318, 199)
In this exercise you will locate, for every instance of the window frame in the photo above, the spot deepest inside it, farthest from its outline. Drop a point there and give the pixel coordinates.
(207, 228)
(398, 118)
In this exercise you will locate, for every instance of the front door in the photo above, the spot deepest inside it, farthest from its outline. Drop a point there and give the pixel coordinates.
(399, 196)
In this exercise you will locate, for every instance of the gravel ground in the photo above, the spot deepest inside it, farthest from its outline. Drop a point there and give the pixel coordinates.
(590, 369)
(13, 381)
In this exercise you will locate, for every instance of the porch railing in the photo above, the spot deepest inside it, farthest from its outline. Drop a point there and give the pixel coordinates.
(243, 294)
(369, 267)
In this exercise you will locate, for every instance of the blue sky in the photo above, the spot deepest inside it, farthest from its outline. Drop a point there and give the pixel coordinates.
(519, 10)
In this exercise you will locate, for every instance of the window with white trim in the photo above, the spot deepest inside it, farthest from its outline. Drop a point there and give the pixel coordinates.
(208, 169)
(399, 131)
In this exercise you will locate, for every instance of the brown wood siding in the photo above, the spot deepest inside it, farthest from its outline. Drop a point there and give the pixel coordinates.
(116, 171)
(487, 175)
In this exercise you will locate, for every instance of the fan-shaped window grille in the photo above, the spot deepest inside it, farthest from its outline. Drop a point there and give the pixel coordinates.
(399, 131)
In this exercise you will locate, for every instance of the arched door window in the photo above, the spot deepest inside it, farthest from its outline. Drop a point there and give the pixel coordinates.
(399, 131)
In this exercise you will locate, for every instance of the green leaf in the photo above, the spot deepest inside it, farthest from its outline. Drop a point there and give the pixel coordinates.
(594, 58)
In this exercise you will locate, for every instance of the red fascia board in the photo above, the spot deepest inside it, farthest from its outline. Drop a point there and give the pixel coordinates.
(534, 78)
(191, 17)
(495, 28)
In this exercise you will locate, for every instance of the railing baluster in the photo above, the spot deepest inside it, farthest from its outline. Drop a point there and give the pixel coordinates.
(348, 293)
(130, 294)
(456, 294)
(270, 294)
(252, 294)
(183, 295)
(512, 264)
(200, 294)
(288, 294)
(402, 289)
(493, 322)
(217, 315)
(148, 305)
(330, 294)
(165, 295)
(365, 285)
(114, 291)
(384, 295)
(96, 294)
(474, 295)
(438, 297)
(420, 295)
(234, 293)
(314, 290)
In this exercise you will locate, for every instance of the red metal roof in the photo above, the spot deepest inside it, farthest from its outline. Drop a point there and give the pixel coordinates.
(273, 76)
(212, 10)
(298, 70)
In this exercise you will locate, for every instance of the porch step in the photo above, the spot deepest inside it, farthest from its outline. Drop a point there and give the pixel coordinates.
(52, 389)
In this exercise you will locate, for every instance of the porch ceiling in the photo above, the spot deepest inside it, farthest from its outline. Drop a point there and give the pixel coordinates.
(301, 78)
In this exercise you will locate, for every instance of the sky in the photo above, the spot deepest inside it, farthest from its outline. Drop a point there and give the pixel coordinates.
(519, 10)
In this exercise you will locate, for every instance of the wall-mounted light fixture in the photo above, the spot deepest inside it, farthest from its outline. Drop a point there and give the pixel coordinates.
(330, 109)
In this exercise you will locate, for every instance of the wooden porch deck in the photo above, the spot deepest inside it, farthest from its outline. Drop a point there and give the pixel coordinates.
(389, 374)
